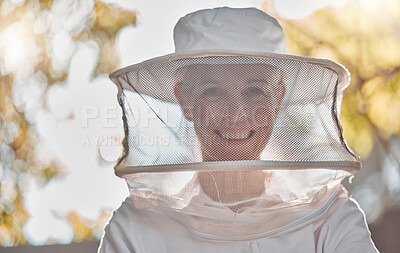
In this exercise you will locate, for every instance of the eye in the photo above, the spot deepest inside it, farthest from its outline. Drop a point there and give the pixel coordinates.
(254, 91)
(211, 92)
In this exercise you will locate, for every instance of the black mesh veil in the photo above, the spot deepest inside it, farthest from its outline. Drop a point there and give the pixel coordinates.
(213, 132)
(305, 129)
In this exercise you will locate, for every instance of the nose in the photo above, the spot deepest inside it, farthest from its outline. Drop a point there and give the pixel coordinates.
(237, 115)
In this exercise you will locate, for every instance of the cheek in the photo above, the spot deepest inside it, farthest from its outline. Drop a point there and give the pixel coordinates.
(208, 115)
(263, 116)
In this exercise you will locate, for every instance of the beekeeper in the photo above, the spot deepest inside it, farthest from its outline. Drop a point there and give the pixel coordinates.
(231, 145)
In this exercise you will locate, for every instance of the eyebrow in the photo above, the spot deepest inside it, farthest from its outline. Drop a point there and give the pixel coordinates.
(257, 80)
(265, 83)
(207, 82)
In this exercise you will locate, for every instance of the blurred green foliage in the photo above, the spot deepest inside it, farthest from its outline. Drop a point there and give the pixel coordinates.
(363, 36)
(33, 25)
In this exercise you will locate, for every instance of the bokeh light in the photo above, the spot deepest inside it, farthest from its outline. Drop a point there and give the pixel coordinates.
(57, 150)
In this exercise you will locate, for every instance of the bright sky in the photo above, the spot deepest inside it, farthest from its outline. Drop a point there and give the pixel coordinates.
(84, 116)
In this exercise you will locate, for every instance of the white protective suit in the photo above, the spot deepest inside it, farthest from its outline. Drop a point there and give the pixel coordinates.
(231, 145)
(337, 227)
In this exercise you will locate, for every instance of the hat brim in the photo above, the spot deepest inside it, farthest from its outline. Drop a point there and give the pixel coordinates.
(156, 77)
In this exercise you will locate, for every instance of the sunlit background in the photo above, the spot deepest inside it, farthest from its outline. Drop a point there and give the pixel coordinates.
(60, 123)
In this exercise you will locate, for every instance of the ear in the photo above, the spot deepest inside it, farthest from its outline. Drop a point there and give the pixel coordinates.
(185, 107)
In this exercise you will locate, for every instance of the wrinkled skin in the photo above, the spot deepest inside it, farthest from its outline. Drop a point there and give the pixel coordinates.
(233, 109)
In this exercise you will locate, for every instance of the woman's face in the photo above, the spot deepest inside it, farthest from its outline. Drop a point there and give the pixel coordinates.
(233, 108)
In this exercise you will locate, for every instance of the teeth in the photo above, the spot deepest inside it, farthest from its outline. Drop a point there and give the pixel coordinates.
(235, 136)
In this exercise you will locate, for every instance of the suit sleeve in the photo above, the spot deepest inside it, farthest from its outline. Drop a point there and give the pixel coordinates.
(345, 230)
(119, 231)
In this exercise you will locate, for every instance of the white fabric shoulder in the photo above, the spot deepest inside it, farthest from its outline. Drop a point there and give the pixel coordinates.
(345, 229)
(116, 237)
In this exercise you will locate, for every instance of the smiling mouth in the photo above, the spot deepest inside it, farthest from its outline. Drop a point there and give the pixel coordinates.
(235, 136)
